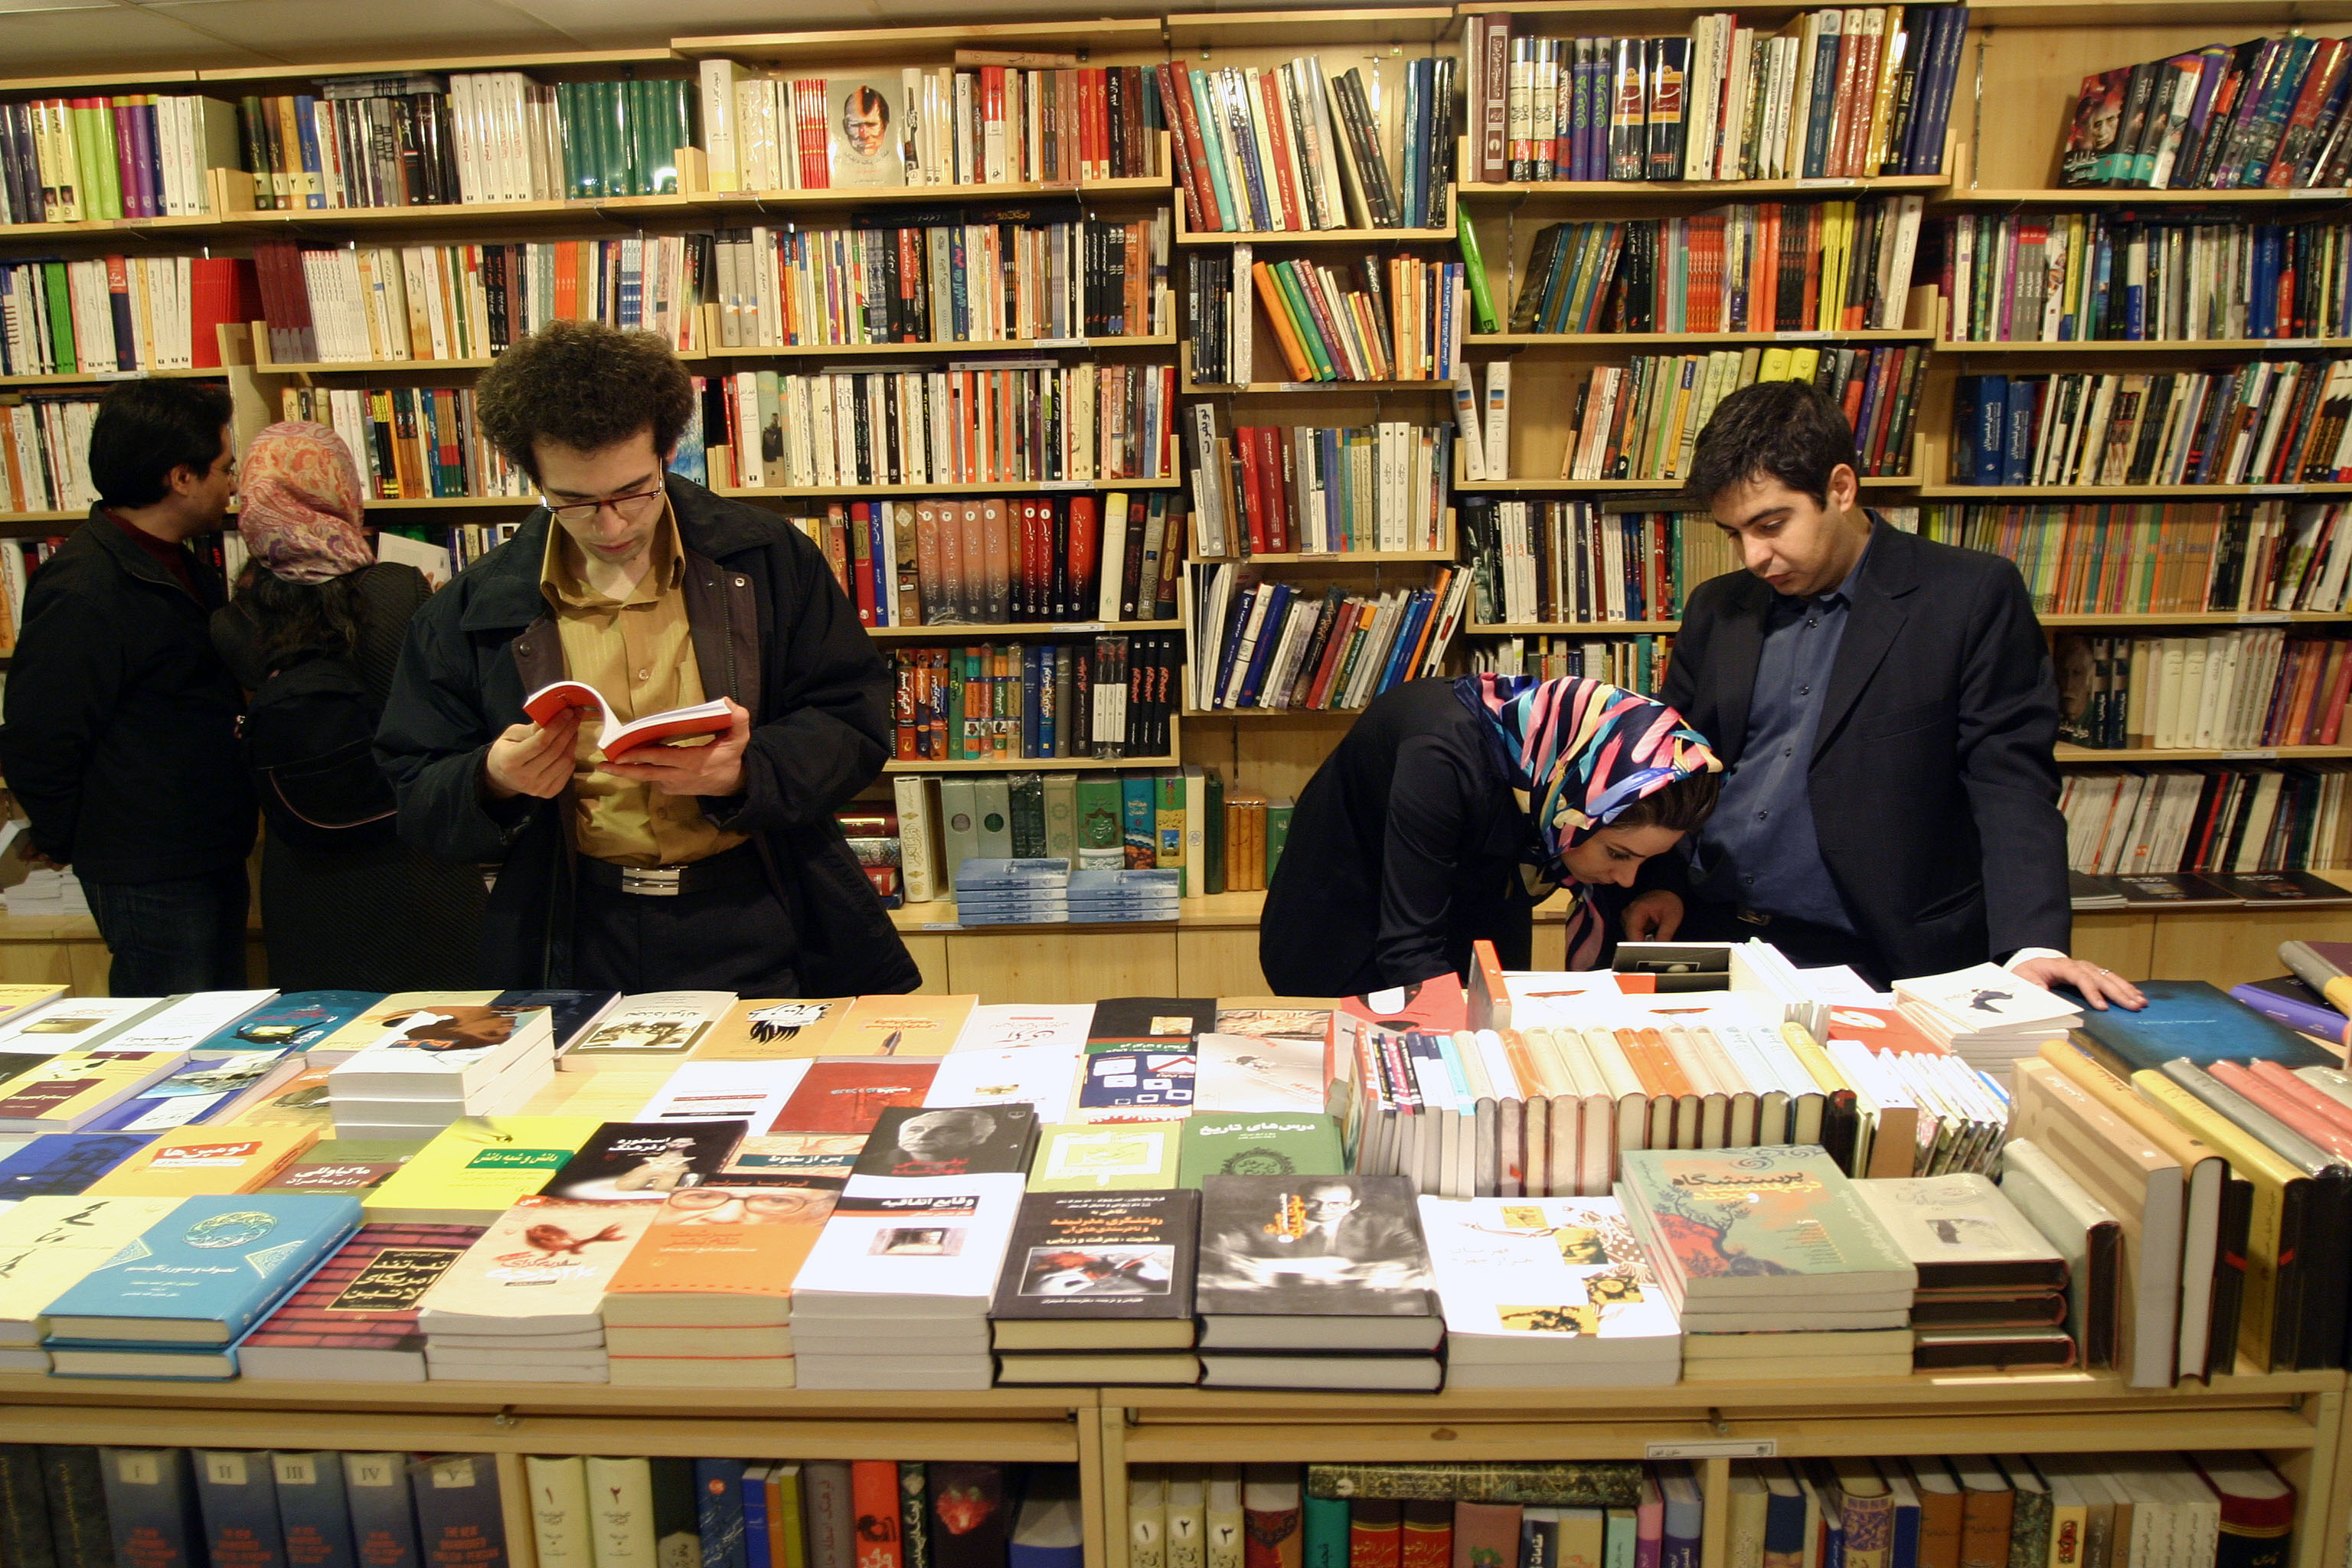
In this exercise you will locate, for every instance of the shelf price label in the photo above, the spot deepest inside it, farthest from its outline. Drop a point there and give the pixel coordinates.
(2275, 490)
(2316, 194)
(1718, 1449)
(1829, 183)
(2265, 619)
(942, 925)
(2253, 754)
(1809, 335)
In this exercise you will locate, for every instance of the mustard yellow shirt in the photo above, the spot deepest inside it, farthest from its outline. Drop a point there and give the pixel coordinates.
(640, 653)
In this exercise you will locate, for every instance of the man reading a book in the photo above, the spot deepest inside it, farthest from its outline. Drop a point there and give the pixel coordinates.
(709, 864)
(1886, 707)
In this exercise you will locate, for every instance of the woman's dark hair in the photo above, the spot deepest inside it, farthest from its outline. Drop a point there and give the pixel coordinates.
(585, 384)
(1683, 805)
(298, 620)
(1785, 430)
(145, 429)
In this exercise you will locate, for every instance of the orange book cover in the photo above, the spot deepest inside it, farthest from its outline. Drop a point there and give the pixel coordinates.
(717, 1240)
(1647, 1064)
(1764, 309)
(1881, 1030)
(1670, 1070)
(901, 1026)
(205, 1162)
(760, 1029)
(1488, 997)
(2288, 1106)
(1285, 329)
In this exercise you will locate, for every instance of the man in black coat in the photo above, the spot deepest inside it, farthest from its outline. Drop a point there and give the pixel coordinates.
(708, 866)
(1886, 709)
(120, 743)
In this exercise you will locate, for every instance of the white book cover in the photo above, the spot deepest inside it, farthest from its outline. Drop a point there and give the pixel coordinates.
(1002, 1026)
(754, 1092)
(1962, 1218)
(443, 1052)
(928, 1246)
(1253, 1073)
(655, 1023)
(1985, 996)
(542, 1267)
(72, 1022)
(186, 1021)
(1553, 1278)
(1032, 1075)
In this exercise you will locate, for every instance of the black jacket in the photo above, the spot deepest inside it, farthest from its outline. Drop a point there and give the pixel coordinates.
(121, 720)
(1933, 790)
(771, 629)
(1404, 850)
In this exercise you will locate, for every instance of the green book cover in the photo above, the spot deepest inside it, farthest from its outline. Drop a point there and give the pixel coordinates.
(634, 124)
(1302, 316)
(1213, 835)
(959, 823)
(106, 187)
(84, 122)
(1278, 832)
(1121, 1156)
(613, 126)
(1062, 816)
(1098, 824)
(1168, 821)
(354, 1165)
(1258, 1144)
(1028, 792)
(1730, 1222)
(1482, 301)
(995, 803)
(61, 334)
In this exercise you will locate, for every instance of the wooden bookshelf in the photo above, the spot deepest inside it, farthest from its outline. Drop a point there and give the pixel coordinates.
(995, 487)
(2143, 755)
(940, 350)
(1669, 497)
(2168, 348)
(2088, 493)
(2105, 197)
(1004, 631)
(2112, 622)
(1691, 339)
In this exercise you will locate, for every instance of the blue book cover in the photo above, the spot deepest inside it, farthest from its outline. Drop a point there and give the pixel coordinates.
(1229, 644)
(191, 1094)
(2024, 414)
(1138, 818)
(238, 1498)
(718, 1512)
(222, 1262)
(1049, 1532)
(384, 1527)
(151, 1501)
(1905, 1554)
(1990, 435)
(1277, 612)
(2194, 1019)
(1145, 1084)
(64, 1164)
(1262, 204)
(306, 130)
(459, 1522)
(569, 1012)
(294, 1022)
(312, 1510)
(1784, 1525)
(755, 1515)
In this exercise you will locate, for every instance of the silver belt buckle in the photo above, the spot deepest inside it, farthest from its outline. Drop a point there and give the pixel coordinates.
(658, 881)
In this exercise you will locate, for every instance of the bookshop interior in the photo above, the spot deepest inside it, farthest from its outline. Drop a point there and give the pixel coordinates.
(1170, 790)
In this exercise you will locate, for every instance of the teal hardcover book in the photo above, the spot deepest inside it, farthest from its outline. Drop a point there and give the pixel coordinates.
(206, 1273)
(2190, 1018)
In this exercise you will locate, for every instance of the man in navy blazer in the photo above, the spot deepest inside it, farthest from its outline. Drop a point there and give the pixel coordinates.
(1885, 709)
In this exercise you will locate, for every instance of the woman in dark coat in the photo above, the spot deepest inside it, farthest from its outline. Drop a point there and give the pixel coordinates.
(371, 915)
(1452, 808)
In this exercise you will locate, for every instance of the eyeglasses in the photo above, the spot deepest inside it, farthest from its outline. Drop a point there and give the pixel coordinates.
(630, 507)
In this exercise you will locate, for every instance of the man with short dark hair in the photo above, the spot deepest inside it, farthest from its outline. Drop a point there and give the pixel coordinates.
(1885, 709)
(120, 741)
(715, 865)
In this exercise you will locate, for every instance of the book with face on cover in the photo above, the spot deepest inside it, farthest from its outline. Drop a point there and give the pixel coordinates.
(754, 1030)
(1533, 1283)
(48, 1244)
(439, 1051)
(476, 1167)
(950, 1141)
(1961, 1234)
(909, 1026)
(654, 1023)
(1314, 1263)
(644, 1161)
(1080, 1158)
(204, 1273)
(846, 1094)
(1739, 1226)
(355, 1318)
(542, 1268)
(193, 1161)
(1098, 1271)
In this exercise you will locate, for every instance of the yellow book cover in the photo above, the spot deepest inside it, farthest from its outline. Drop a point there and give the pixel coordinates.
(205, 1162)
(297, 1099)
(66, 1092)
(18, 999)
(377, 1023)
(48, 1244)
(757, 1030)
(901, 1026)
(476, 1167)
(1804, 364)
(1775, 365)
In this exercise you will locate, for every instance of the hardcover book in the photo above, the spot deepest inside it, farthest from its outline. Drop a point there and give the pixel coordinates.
(460, 1522)
(312, 1509)
(1327, 1256)
(2191, 1018)
(48, 1244)
(542, 1268)
(1267, 1145)
(204, 1273)
(1757, 1225)
(355, 1318)
(383, 1525)
(151, 1501)
(1078, 1261)
(1115, 1157)
(1961, 1234)
(238, 1498)
(644, 1161)
(1526, 1283)
(950, 1141)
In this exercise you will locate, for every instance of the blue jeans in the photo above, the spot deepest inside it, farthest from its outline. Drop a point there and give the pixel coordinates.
(185, 934)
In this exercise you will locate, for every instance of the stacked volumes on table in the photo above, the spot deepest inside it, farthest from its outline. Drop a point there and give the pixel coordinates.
(1991, 1287)
(1985, 1015)
(1047, 892)
(431, 1067)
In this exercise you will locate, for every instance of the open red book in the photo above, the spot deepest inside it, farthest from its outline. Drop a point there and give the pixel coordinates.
(618, 739)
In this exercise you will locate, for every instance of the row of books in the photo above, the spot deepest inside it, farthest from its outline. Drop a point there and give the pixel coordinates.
(1008, 560)
(1637, 663)
(2270, 421)
(1754, 267)
(1111, 697)
(2236, 820)
(1539, 561)
(2268, 112)
(47, 453)
(1008, 422)
(135, 155)
(112, 314)
(2093, 277)
(1042, 122)
(1262, 489)
(1174, 821)
(1281, 147)
(414, 139)
(1042, 271)
(1398, 318)
(2165, 557)
(2193, 1511)
(423, 302)
(2236, 689)
(1272, 644)
(1835, 94)
(410, 442)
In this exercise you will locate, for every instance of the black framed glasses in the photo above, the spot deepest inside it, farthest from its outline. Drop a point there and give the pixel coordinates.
(634, 508)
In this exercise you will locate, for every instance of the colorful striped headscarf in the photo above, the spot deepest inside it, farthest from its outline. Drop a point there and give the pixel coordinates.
(1577, 753)
(299, 504)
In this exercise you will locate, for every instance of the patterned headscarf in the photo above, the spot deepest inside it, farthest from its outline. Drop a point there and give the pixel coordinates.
(1577, 753)
(299, 504)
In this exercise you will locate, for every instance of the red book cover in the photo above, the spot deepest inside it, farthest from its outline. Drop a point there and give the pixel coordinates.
(1086, 545)
(1277, 494)
(1187, 173)
(1253, 489)
(1098, 114)
(1272, 1536)
(847, 1094)
(1486, 1535)
(1437, 1006)
(1375, 1532)
(1343, 628)
(2339, 691)
(1269, 83)
(1427, 1540)
(874, 1499)
(362, 1299)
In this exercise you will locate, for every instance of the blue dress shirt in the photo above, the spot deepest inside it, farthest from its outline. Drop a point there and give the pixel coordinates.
(1758, 850)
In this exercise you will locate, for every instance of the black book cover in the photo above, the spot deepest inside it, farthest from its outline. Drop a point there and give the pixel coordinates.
(1104, 1257)
(24, 1540)
(646, 1160)
(151, 1503)
(914, 1517)
(949, 1140)
(968, 1523)
(79, 1534)
(1153, 1019)
(568, 1011)
(1312, 1245)
(2282, 888)
(2176, 890)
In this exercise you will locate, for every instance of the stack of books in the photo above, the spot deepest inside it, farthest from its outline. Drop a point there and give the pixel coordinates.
(524, 1302)
(2264, 114)
(1985, 1016)
(1013, 892)
(1270, 644)
(1773, 1265)
(1098, 1283)
(354, 1320)
(1992, 1289)
(1144, 893)
(416, 1068)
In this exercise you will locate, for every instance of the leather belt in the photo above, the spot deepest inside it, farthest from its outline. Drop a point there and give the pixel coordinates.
(739, 866)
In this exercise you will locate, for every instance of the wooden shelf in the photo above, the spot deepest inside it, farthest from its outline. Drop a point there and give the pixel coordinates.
(1190, 32)
(1035, 764)
(844, 44)
(2105, 197)
(556, 61)
(1696, 339)
(1670, 190)
(1280, 236)
(997, 487)
(1190, 713)
(943, 350)
(1013, 629)
(1662, 487)
(2183, 618)
(453, 503)
(1544, 627)
(2088, 493)
(1337, 559)
(2158, 12)
(109, 377)
(378, 366)
(2174, 346)
(2142, 755)
(1196, 389)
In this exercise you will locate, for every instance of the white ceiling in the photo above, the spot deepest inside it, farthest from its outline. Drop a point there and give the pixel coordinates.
(53, 37)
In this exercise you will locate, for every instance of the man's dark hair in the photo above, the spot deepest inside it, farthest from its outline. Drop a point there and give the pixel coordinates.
(145, 429)
(1683, 805)
(1784, 430)
(584, 385)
